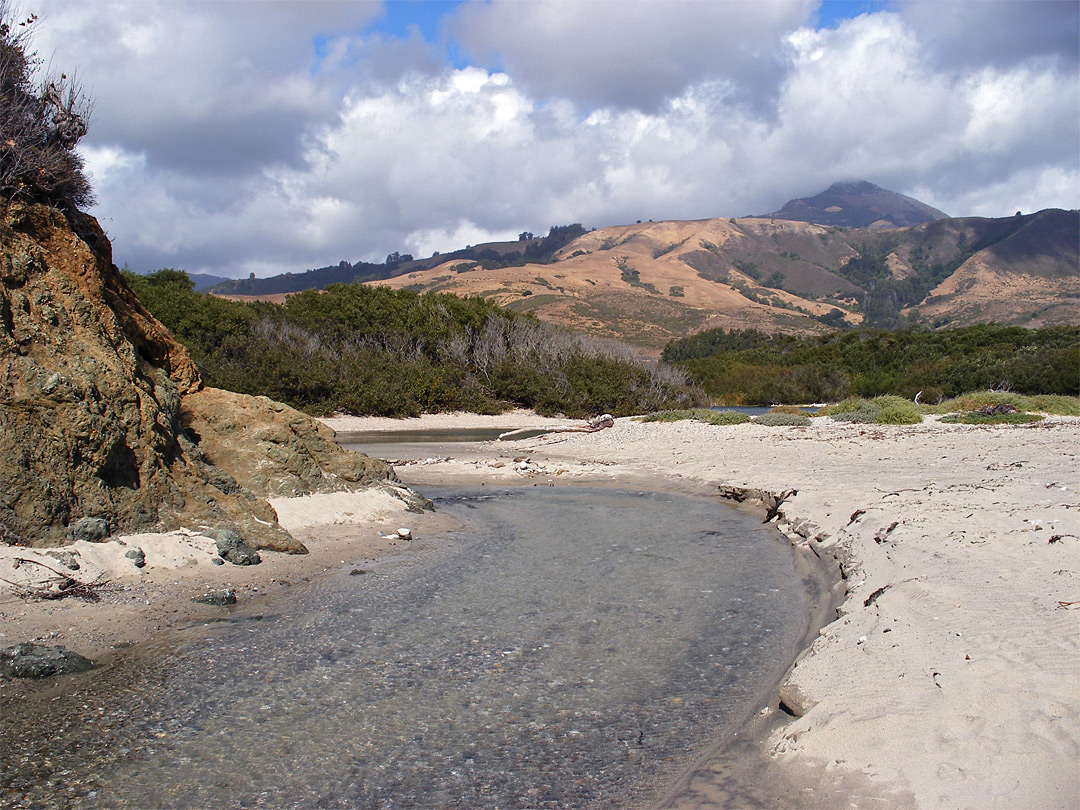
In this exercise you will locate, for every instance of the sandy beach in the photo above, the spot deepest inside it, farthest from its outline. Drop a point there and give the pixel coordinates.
(950, 678)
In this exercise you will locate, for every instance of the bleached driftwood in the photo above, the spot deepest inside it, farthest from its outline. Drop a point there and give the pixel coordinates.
(591, 426)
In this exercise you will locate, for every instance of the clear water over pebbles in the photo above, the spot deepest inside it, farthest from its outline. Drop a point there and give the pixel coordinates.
(567, 647)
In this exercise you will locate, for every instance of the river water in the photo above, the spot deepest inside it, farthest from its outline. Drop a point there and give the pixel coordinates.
(565, 647)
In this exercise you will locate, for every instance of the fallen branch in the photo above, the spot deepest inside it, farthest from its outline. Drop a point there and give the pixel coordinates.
(67, 585)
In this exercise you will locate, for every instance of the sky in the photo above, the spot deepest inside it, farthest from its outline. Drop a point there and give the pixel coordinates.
(233, 138)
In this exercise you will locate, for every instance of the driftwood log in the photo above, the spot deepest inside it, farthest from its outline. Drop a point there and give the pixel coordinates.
(594, 424)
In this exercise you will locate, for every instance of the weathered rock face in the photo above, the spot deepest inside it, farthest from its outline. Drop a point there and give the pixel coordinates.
(94, 398)
(240, 434)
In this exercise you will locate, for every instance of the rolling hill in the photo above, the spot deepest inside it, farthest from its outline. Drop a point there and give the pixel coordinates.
(854, 254)
(651, 282)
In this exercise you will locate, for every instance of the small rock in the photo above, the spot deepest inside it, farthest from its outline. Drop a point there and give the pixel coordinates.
(65, 558)
(217, 561)
(357, 572)
(794, 701)
(230, 547)
(137, 556)
(90, 529)
(27, 660)
(404, 534)
(226, 597)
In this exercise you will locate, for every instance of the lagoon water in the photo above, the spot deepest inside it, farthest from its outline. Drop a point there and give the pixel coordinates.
(566, 647)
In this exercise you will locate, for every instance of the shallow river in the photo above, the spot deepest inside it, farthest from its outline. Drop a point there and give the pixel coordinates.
(567, 647)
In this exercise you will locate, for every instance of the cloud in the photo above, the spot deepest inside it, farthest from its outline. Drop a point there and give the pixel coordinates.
(1001, 34)
(353, 144)
(211, 88)
(633, 54)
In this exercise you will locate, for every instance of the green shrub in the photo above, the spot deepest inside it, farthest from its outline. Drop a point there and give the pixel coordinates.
(1056, 404)
(854, 410)
(896, 411)
(976, 418)
(372, 350)
(667, 416)
(785, 409)
(42, 119)
(883, 410)
(721, 417)
(782, 419)
(706, 415)
(978, 399)
(867, 416)
(750, 367)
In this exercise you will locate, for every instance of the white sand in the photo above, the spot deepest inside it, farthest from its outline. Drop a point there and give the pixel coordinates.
(510, 420)
(958, 686)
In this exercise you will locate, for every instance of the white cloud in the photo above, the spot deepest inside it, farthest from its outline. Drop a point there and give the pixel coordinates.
(234, 145)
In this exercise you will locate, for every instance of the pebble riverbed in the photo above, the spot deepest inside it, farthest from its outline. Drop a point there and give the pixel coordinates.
(567, 647)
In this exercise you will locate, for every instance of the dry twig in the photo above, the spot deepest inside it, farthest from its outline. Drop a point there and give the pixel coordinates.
(67, 585)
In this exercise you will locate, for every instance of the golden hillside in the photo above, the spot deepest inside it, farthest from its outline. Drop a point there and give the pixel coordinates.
(636, 282)
(650, 282)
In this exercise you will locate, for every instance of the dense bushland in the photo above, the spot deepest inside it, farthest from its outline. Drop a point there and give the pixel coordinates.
(753, 368)
(372, 350)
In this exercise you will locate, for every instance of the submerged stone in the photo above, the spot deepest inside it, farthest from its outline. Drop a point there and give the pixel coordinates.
(218, 598)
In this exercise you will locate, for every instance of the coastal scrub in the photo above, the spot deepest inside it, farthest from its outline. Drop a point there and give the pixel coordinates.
(706, 415)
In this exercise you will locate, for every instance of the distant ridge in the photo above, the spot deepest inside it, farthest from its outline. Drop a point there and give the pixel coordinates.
(858, 204)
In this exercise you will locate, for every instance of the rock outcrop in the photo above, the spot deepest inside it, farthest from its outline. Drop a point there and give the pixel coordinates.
(103, 419)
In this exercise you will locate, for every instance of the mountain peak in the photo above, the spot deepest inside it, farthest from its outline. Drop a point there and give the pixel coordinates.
(853, 187)
(858, 204)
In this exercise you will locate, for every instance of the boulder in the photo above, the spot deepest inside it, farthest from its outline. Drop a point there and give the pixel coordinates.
(231, 547)
(28, 660)
(90, 529)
